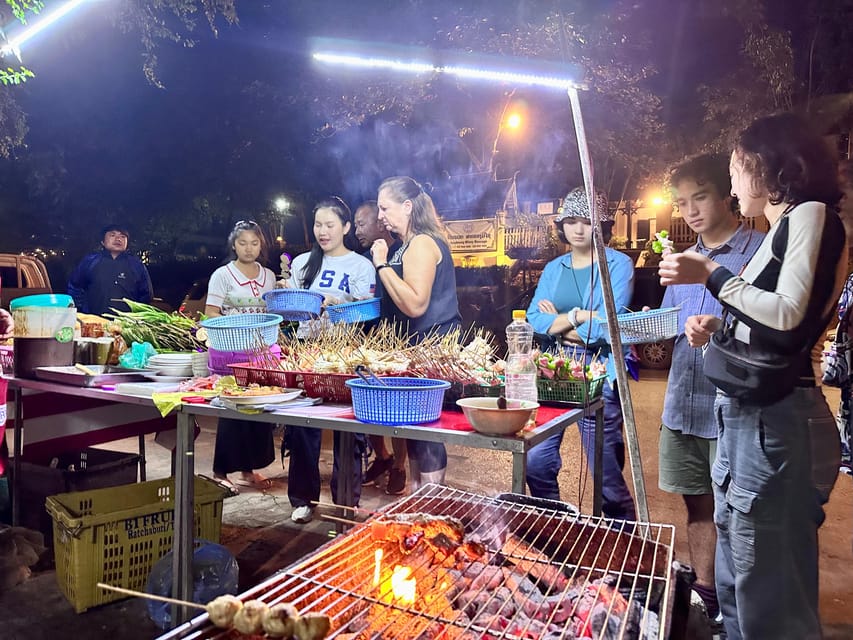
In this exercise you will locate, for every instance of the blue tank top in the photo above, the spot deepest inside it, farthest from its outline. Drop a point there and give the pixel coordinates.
(442, 313)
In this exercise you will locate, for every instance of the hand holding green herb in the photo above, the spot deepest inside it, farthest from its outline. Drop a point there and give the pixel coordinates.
(662, 244)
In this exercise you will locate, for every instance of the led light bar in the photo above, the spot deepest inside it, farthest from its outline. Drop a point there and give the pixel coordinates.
(405, 62)
(44, 21)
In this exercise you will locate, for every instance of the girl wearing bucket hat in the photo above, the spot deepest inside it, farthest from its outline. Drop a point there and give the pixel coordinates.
(568, 305)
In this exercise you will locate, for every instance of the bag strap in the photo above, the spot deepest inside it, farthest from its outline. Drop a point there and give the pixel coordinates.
(778, 249)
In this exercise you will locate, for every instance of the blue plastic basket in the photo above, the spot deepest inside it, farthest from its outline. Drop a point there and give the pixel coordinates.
(358, 311)
(242, 331)
(295, 305)
(653, 325)
(398, 401)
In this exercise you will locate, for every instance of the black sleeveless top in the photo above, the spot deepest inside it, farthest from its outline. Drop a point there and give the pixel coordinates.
(442, 313)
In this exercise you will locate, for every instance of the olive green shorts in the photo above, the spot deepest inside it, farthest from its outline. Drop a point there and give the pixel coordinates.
(685, 462)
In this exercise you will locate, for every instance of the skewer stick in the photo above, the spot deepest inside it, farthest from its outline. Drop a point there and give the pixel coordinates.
(151, 596)
(352, 523)
(343, 506)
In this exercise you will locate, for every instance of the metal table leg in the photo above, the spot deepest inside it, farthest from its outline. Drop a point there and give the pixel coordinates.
(519, 471)
(142, 473)
(346, 491)
(17, 450)
(182, 545)
(598, 460)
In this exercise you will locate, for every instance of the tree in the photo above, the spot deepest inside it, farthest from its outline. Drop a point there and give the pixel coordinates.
(154, 21)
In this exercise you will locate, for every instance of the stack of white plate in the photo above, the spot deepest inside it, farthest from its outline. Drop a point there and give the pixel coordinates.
(172, 365)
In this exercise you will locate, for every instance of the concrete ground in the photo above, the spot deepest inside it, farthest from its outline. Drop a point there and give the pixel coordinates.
(258, 531)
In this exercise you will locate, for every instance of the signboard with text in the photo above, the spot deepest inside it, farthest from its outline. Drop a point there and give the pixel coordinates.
(472, 235)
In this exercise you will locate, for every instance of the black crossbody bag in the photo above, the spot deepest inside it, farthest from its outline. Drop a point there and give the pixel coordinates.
(744, 371)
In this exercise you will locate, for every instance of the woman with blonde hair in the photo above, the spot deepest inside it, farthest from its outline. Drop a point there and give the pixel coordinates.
(418, 289)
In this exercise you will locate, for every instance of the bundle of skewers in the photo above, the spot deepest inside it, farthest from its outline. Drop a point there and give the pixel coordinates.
(252, 617)
(462, 357)
(343, 347)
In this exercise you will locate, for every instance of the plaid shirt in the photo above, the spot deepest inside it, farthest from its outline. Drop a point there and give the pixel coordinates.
(689, 402)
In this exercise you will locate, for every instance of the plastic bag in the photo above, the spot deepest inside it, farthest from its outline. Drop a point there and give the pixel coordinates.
(215, 573)
(137, 356)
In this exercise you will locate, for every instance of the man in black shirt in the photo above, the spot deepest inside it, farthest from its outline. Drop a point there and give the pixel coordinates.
(104, 277)
(367, 230)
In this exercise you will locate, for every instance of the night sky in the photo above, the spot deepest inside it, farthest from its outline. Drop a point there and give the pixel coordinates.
(105, 144)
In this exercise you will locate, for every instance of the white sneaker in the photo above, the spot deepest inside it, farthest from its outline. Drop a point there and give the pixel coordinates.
(302, 514)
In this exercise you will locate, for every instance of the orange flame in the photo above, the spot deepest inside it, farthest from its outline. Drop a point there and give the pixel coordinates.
(377, 566)
(402, 585)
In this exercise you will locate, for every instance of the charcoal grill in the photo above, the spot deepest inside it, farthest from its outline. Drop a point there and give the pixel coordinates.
(548, 572)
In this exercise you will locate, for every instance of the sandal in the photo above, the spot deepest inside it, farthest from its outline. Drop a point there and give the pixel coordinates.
(255, 481)
(223, 480)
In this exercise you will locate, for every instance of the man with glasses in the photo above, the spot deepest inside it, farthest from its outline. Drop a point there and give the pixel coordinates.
(103, 278)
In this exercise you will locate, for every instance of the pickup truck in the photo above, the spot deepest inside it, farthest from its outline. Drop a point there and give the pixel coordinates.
(21, 275)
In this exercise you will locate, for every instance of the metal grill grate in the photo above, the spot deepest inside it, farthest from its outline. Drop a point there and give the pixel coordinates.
(547, 572)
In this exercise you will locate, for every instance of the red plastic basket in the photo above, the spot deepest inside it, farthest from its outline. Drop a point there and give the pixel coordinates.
(246, 373)
(329, 386)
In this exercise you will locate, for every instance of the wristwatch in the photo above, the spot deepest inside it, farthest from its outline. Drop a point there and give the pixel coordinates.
(382, 266)
(573, 317)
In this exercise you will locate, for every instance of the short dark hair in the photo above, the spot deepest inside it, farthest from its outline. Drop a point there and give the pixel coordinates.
(704, 169)
(789, 160)
(116, 226)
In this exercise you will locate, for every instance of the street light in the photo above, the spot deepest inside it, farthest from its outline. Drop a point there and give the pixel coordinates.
(281, 204)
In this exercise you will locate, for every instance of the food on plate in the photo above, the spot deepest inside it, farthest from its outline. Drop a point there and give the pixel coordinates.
(251, 391)
(200, 384)
(249, 619)
(223, 609)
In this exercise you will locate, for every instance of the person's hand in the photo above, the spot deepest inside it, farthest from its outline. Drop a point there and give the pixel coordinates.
(688, 267)
(331, 301)
(546, 306)
(7, 325)
(698, 329)
(379, 252)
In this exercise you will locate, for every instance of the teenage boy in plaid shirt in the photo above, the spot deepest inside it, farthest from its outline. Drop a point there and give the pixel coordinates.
(688, 437)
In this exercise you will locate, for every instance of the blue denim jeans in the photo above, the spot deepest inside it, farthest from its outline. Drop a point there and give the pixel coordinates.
(544, 461)
(303, 474)
(427, 463)
(770, 479)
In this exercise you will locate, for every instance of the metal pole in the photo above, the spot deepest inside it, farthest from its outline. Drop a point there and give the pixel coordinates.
(610, 309)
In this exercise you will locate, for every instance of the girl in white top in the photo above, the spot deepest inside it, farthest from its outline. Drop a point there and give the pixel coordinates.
(330, 268)
(238, 287)
(340, 275)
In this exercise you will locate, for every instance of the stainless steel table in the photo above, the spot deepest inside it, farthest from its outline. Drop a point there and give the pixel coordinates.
(182, 543)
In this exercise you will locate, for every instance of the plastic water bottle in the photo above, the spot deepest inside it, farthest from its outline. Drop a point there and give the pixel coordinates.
(520, 368)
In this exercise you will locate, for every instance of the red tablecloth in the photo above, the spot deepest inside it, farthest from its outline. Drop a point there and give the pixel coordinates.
(455, 420)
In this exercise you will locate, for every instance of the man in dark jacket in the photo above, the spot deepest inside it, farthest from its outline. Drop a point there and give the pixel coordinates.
(104, 277)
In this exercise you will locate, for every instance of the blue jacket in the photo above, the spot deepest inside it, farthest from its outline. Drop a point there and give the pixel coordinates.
(622, 279)
(99, 281)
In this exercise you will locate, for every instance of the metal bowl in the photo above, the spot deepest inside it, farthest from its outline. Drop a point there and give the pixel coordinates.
(486, 417)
